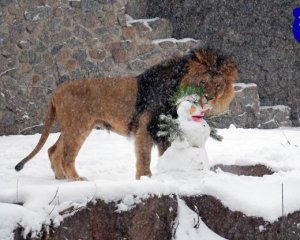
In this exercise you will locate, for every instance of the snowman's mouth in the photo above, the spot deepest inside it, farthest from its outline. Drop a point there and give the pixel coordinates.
(198, 118)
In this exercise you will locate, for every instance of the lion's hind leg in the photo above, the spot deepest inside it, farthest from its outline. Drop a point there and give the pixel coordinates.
(73, 141)
(56, 153)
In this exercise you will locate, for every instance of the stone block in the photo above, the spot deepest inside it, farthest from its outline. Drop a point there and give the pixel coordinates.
(244, 108)
(4, 3)
(114, 31)
(29, 56)
(161, 28)
(38, 13)
(98, 54)
(80, 55)
(23, 44)
(137, 65)
(73, 42)
(71, 64)
(56, 48)
(89, 20)
(63, 54)
(129, 33)
(122, 51)
(90, 5)
(8, 118)
(82, 33)
(89, 67)
(275, 116)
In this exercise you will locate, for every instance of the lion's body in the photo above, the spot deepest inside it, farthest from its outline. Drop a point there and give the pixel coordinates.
(129, 106)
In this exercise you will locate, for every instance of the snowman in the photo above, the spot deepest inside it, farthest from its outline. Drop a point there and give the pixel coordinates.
(187, 151)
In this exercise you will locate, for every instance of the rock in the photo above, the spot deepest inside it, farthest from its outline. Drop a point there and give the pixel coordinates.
(62, 79)
(138, 65)
(82, 33)
(56, 48)
(161, 28)
(150, 219)
(58, 12)
(98, 54)
(244, 108)
(75, 3)
(154, 218)
(79, 55)
(245, 105)
(258, 170)
(73, 42)
(90, 68)
(115, 31)
(122, 51)
(122, 19)
(23, 44)
(38, 13)
(129, 33)
(8, 119)
(236, 225)
(71, 64)
(90, 5)
(275, 116)
(29, 56)
(61, 36)
(4, 3)
(89, 20)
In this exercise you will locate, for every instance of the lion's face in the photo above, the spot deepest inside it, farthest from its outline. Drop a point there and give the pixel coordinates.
(216, 75)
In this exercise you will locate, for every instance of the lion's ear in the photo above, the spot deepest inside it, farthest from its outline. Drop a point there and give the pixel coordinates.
(229, 69)
(205, 56)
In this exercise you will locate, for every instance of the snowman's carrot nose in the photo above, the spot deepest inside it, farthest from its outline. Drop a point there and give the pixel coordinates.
(192, 109)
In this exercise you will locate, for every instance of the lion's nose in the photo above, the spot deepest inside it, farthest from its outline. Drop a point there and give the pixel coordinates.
(208, 98)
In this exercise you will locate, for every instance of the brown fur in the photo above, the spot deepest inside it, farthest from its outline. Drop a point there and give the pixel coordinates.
(112, 103)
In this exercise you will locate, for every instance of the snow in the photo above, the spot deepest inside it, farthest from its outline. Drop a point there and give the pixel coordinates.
(131, 21)
(190, 225)
(108, 161)
(174, 40)
(239, 87)
(282, 108)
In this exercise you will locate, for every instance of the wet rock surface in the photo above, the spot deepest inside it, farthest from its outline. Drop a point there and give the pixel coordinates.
(256, 170)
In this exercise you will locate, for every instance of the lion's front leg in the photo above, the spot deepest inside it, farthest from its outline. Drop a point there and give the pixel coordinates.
(143, 146)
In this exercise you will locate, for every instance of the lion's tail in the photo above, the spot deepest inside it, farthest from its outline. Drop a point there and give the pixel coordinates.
(50, 117)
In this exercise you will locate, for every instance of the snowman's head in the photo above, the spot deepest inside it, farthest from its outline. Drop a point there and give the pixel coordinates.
(191, 111)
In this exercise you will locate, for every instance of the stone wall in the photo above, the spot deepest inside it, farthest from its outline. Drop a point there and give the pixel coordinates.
(257, 33)
(46, 42)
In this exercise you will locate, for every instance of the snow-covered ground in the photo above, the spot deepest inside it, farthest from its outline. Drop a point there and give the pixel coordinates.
(108, 161)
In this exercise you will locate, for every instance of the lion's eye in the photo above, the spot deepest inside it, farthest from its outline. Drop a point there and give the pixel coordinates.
(218, 86)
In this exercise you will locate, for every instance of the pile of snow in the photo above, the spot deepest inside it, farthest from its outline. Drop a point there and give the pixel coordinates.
(108, 161)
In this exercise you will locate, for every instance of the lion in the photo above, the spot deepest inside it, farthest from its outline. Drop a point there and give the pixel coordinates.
(130, 106)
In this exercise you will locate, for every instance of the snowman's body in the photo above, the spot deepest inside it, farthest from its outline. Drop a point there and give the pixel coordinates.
(188, 153)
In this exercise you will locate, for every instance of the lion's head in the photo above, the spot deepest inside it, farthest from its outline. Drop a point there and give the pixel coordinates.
(216, 74)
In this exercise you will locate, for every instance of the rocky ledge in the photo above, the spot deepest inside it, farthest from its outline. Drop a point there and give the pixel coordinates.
(156, 218)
